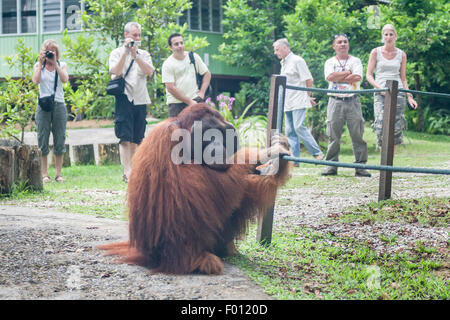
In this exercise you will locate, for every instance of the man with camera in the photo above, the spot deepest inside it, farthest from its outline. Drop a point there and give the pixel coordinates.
(134, 65)
(180, 78)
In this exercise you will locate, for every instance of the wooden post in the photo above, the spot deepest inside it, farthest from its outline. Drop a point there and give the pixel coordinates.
(276, 104)
(6, 169)
(387, 146)
(28, 166)
(83, 154)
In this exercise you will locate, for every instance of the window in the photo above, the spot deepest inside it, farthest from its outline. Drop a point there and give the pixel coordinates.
(18, 16)
(28, 16)
(51, 15)
(216, 13)
(194, 16)
(205, 15)
(9, 16)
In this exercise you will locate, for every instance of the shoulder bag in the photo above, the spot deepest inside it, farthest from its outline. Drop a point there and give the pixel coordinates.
(47, 103)
(199, 77)
(117, 86)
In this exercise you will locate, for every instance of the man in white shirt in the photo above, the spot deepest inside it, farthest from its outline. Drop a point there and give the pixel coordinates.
(296, 102)
(344, 72)
(180, 79)
(131, 107)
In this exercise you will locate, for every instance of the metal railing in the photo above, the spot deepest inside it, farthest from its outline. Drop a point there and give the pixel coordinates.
(278, 88)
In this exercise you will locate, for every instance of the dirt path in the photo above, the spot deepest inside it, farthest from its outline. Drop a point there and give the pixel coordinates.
(47, 254)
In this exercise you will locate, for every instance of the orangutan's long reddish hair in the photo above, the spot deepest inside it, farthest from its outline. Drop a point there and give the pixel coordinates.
(182, 217)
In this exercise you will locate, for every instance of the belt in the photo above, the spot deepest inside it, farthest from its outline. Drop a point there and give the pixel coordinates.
(344, 98)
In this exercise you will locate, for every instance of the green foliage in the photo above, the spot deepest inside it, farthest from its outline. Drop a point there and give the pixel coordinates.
(86, 58)
(248, 40)
(248, 43)
(258, 92)
(435, 122)
(19, 96)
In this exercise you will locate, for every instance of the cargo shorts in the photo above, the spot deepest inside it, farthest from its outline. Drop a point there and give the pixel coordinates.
(129, 120)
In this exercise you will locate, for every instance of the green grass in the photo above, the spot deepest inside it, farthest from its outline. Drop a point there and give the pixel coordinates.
(429, 211)
(302, 264)
(417, 150)
(93, 190)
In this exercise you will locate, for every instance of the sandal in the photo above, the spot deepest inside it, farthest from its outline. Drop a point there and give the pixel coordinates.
(59, 179)
(46, 179)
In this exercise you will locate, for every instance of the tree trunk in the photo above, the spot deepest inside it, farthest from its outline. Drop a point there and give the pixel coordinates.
(6, 169)
(28, 166)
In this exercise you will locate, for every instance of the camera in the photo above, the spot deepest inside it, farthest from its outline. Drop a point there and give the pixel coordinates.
(49, 54)
(134, 43)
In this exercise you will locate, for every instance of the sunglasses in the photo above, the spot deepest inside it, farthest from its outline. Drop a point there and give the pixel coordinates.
(340, 35)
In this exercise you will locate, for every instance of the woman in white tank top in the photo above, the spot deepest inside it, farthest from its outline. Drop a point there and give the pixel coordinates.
(389, 63)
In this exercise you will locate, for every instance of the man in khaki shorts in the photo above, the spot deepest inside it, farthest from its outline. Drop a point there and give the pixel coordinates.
(344, 72)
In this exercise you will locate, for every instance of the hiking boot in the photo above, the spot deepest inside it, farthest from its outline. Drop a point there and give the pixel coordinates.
(362, 173)
(330, 171)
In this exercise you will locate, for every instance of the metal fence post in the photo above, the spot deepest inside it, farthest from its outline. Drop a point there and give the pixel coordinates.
(274, 121)
(387, 147)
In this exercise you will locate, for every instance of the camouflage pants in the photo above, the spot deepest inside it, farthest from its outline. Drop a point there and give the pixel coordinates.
(400, 120)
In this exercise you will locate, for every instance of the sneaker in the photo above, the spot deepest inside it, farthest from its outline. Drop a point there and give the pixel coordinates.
(363, 173)
(331, 171)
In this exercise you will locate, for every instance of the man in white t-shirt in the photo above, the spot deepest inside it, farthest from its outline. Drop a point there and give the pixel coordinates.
(344, 72)
(179, 77)
(296, 102)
